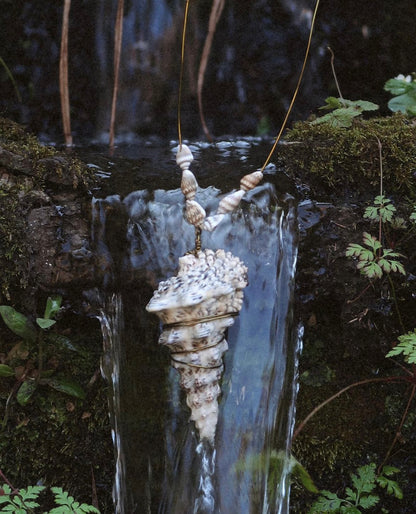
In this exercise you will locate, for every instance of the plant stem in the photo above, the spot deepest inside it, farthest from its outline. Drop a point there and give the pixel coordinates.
(334, 74)
(339, 393)
(118, 36)
(399, 429)
(393, 292)
(63, 75)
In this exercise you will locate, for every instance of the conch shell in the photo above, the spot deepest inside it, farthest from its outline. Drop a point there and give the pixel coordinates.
(196, 307)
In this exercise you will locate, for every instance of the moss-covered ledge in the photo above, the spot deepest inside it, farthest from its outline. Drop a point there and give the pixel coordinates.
(337, 159)
(44, 227)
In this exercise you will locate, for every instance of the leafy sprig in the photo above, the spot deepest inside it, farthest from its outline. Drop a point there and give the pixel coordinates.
(343, 111)
(406, 347)
(382, 209)
(403, 90)
(373, 259)
(361, 495)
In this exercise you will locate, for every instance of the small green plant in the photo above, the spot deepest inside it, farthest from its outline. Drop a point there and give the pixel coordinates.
(22, 501)
(361, 496)
(373, 259)
(382, 209)
(343, 111)
(403, 90)
(20, 362)
(406, 347)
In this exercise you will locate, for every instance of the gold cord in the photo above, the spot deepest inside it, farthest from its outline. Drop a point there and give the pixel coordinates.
(192, 322)
(185, 20)
(295, 94)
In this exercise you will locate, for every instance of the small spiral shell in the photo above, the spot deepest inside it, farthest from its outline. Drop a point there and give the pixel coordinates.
(189, 185)
(230, 202)
(212, 222)
(194, 213)
(184, 157)
(250, 181)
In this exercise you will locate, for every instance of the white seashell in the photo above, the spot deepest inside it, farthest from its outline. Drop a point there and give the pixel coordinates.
(184, 157)
(189, 185)
(207, 285)
(250, 181)
(212, 222)
(194, 213)
(230, 202)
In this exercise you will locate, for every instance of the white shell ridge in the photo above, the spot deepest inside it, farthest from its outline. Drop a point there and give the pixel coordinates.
(251, 180)
(184, 157)
(230, 202)
(189, 185)
(194, 213)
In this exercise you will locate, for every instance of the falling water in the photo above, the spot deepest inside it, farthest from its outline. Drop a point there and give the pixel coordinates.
(162, 466)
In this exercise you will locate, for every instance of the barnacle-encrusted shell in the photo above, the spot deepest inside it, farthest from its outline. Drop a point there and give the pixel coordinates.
(189, 185)
(230, 202)
(194, 213)
(250, 181)
(197, 306)
(184, 157)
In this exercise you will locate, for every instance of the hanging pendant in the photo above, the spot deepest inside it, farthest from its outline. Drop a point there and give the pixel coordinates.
(196, 307)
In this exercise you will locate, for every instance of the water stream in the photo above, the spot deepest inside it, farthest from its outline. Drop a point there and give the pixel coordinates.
(161, 464)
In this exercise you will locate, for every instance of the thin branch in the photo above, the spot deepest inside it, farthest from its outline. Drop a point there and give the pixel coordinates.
(399, 429)
(334, 74)
(63, 75)
(118, 37)
(216, 11)
(339, 393)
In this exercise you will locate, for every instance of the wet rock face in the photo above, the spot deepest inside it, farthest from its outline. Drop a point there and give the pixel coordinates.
(44, 234)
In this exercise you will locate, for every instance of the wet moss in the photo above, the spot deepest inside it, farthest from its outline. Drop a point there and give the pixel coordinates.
(349, 157)
(29, 174)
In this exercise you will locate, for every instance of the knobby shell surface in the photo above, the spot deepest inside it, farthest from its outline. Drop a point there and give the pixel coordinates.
(251, 181)
(197, 306)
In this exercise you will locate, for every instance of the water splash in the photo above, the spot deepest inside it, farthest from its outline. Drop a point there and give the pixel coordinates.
(163, 467)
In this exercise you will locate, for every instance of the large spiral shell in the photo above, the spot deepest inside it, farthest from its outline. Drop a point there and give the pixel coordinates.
(197, 306)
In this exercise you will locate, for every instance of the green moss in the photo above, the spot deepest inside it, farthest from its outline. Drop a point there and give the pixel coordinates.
(25, 167)
(340, 157)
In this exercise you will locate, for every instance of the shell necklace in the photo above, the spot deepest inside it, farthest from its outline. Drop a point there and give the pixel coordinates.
(198, 304)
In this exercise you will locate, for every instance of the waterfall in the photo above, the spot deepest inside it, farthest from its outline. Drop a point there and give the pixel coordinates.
(162, 466)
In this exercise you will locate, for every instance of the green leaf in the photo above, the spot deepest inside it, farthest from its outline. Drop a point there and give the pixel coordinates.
(391, 486)
(45, 323)
(368, 501)
(328, 502)
(18, 323)
(364, 481)
(53, 304)
(25, 392)
(67, 386)
(6, 371)
(406, 346)
(397, 86)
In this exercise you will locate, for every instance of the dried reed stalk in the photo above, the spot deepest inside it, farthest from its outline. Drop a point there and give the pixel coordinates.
(118, 36)
(216, 11)
(63, 75)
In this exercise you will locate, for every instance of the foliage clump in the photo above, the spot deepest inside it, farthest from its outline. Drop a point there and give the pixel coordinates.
(349, 157)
